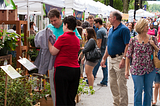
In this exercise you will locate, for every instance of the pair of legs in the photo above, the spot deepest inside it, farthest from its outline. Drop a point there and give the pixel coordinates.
(66, 81)
(105, 71)
(156, 88)
(143, 83)
(88, 69)
(117, 82)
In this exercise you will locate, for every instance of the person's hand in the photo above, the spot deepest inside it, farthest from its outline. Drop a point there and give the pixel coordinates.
(127, 74)
(103, 63)
(82, 48)
(122, 64)
(82, 61)
(152, 42)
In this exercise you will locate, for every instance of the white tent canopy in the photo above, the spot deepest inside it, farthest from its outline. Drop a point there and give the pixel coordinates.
(35, 6)
(139, 13)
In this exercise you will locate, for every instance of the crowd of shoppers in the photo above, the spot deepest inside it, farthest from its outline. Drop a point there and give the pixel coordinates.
(124, 49)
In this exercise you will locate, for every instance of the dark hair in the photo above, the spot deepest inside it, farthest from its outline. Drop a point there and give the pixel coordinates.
(79, 28)
(53, 13)
(79, 23)
(118, 15)
(71, 22)
(132, 24)
(98, 20)
(85, 24)
(31, 23)
(91, 33)
(90, 17)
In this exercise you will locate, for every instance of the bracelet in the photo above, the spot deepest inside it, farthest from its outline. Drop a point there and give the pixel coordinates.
(124, 58)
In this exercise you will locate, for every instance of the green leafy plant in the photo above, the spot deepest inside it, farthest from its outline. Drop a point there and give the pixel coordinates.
(19, 90)
(83, 89)
(8, 40)
(33, 54)
(31, 40)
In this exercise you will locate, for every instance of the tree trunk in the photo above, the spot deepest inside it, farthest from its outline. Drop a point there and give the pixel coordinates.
(125, 6)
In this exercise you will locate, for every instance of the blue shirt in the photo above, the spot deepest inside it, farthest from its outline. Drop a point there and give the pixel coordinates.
(117, 39)
(102, 34)
(95, 29)
(158, 54)
(59, 31)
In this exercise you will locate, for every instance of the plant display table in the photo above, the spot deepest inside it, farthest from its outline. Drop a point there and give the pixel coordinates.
(19, 48)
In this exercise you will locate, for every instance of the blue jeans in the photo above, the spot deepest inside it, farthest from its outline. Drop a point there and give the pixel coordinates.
(143, 83)
(105, 71)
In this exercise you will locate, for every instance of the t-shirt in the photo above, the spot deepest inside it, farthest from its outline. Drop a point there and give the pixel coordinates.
(117, 39)
(102, 34)
(59, 31)
(69, 46)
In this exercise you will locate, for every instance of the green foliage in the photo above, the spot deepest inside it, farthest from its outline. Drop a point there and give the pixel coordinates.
(118, 4)
(154, 7)
(131, 5)
(19, 92)
(83, 89)
(8, 40)
(31, 40)
(33, 54)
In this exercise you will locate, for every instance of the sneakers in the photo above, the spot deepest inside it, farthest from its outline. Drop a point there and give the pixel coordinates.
(103, 85)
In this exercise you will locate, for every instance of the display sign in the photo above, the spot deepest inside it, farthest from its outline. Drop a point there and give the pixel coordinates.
(27, 64)
(11, 71)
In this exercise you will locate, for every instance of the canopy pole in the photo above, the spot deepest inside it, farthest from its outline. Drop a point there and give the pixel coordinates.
(41, 16)
(28, 19)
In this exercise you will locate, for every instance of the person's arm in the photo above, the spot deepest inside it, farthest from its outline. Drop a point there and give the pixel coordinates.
(127, 68)
(104, 58)
(52, 49)
(99, 41)
(122, 63)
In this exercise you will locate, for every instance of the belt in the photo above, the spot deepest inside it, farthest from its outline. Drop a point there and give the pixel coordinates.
(113, 56)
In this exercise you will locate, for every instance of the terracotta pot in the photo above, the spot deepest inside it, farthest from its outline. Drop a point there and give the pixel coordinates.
(48, 102)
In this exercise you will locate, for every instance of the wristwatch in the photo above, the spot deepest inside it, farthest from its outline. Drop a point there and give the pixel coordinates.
(124, 58)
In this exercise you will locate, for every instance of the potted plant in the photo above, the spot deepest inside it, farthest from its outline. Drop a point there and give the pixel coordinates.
(31, 40)
(8, 41)
(83, 89)
(33, 54)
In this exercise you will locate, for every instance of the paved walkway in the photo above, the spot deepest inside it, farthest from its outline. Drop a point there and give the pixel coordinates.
(103, 96)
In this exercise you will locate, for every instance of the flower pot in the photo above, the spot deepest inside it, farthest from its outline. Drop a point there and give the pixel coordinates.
(33, 58)
(3, 51)
(78, 97)
(48, 102)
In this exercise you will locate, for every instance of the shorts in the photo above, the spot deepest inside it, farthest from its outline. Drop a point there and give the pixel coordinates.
(157, 78)
(91, 63)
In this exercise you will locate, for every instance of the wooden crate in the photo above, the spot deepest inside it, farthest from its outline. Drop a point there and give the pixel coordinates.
(12, 15)
(3, 15)
(48, 102)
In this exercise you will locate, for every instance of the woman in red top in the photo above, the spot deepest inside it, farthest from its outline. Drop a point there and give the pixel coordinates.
(152, 30)
(67, 69)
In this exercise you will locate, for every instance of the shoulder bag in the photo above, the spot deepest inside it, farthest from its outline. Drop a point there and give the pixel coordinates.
(94, 54)
(155, 57)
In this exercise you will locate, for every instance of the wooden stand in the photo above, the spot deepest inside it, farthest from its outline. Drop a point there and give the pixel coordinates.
(19, 48)
(8, 58)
